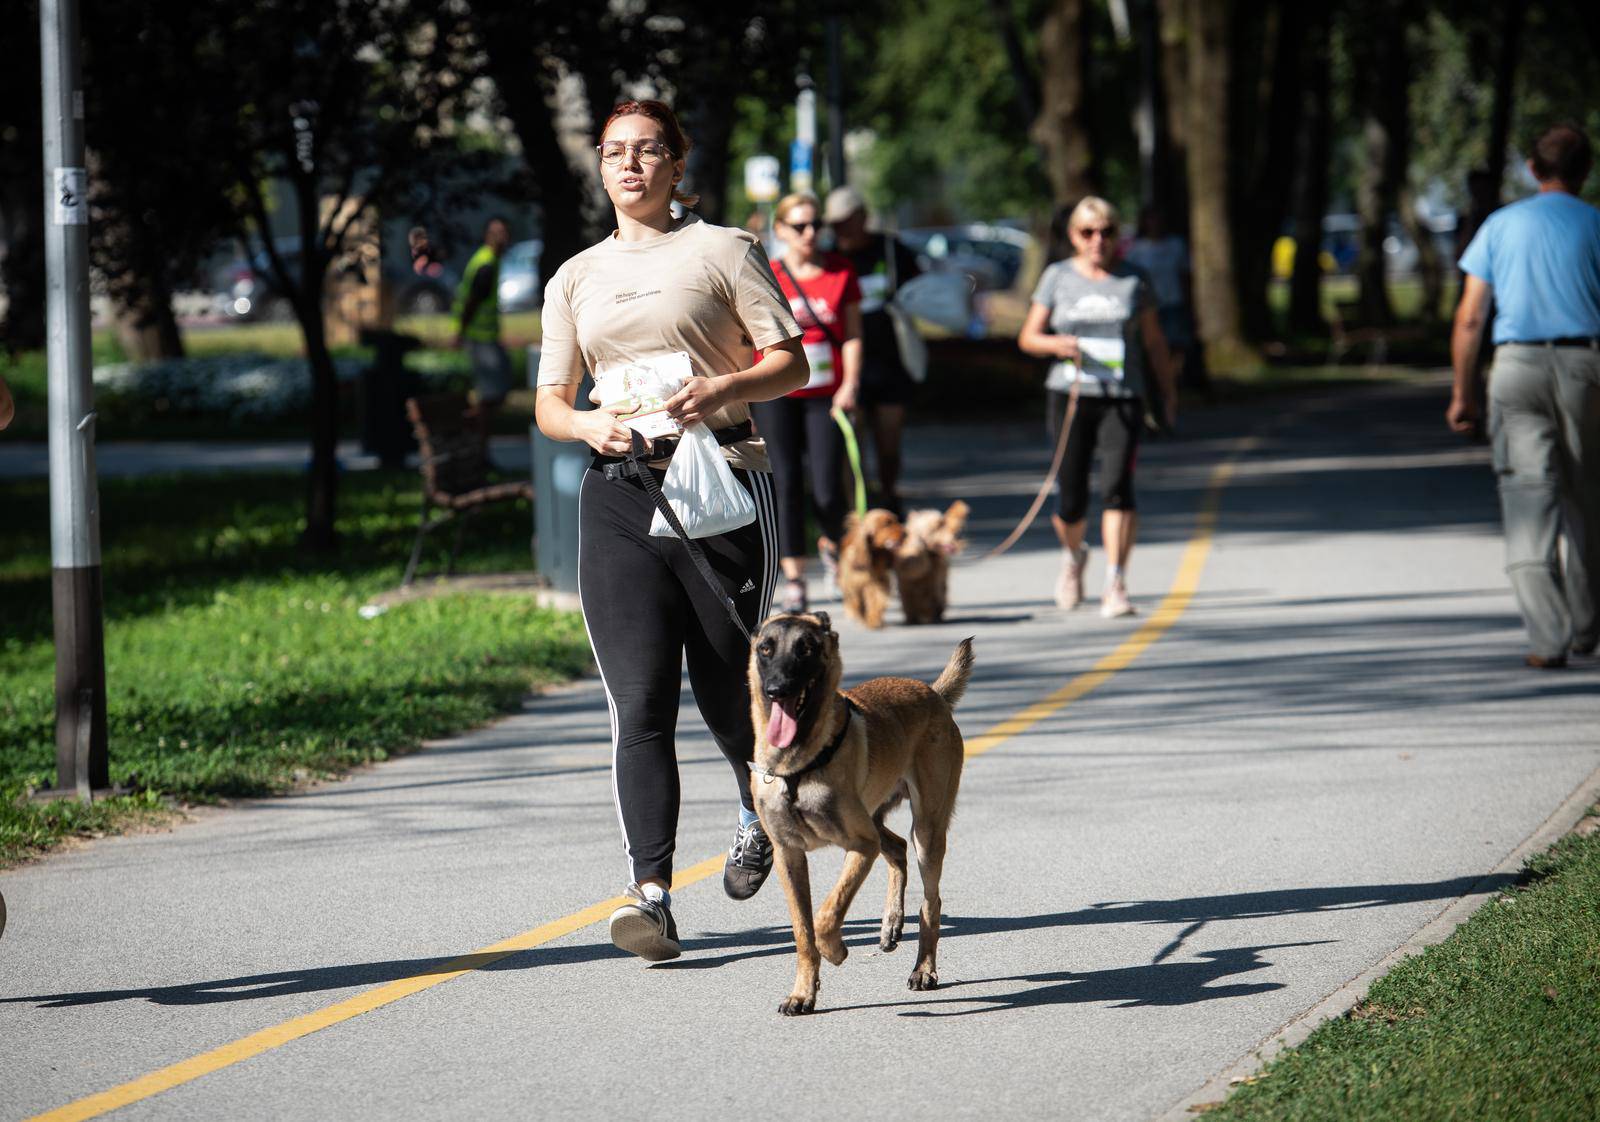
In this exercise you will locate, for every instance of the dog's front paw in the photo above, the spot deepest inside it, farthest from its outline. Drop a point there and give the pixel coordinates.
(889, 933)
(796, 1006)
(831, 944)
(922, 980)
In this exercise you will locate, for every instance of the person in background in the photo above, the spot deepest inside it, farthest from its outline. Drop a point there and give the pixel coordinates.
(1095, 317)
(477, 316)
(1539, 260)
(8, 407)
(425, 259)
(826, 301)
(886, 387)
(1164, 258)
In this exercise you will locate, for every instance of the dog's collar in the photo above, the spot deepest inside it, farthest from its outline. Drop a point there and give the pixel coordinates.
(821, 760)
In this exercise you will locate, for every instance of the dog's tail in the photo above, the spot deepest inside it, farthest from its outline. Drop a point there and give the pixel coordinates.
(952, 682)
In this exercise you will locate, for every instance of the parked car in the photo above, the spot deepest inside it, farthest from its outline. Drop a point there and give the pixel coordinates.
(245, 290)
(520, 287)
(992, 255)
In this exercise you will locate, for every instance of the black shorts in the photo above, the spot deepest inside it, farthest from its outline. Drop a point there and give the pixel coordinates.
(1111, 424)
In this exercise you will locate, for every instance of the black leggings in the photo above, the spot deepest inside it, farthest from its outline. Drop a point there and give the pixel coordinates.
(1113, 423)
(647, 607)
(796, 427)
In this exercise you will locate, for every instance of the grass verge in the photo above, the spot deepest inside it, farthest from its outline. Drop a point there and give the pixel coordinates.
(237, 666)
(1500, 1021)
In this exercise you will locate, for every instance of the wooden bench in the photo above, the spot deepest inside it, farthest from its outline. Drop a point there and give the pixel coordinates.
(456, 481)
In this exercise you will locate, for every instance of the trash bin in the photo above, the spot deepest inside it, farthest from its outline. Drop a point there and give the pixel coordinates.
(385, 385)
(558, 469)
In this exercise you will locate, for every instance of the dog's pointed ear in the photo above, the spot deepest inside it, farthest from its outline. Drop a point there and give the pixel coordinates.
(822, 618)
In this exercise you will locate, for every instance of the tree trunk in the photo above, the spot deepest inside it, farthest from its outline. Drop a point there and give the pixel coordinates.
(322, 482)
(516, 62)
(1062, 127)
(1172, 181)
(1260, 213)
(1385, 139)
(1216, 293)
(1022, 82)
(1311, 193)
(22, 270)
(146, 327)
(1512, 18)
(1430, 266)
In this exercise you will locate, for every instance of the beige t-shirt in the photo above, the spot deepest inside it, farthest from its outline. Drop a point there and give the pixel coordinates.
(702, 289)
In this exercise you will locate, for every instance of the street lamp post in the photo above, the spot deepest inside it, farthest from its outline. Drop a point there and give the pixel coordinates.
(81, 759)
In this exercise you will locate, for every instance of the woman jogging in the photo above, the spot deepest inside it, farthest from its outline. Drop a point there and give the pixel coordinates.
(665, 286)
(826, 300)
(1096, 318)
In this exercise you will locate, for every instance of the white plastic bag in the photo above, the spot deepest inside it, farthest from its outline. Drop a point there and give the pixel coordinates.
(701, 490)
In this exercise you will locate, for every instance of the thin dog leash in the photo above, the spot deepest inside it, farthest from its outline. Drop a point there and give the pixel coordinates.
(1050, 478)
(852, 452)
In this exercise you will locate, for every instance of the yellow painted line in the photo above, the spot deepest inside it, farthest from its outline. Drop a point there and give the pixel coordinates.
(1159, 622)
(1172, 606)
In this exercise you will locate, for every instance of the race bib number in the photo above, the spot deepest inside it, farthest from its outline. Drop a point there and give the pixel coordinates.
(1103, 358)
(820, 356)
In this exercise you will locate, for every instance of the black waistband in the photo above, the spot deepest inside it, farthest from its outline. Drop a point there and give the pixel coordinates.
(662, 448)
(1590, 341)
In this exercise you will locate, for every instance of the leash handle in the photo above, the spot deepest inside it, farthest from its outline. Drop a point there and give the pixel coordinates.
(1050, 477)
(640, 455)
(852, 451)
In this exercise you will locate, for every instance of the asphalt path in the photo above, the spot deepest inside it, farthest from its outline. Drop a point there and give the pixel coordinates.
(1219, 821)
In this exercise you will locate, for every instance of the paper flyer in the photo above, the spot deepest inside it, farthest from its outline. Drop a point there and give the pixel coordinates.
(648, 382)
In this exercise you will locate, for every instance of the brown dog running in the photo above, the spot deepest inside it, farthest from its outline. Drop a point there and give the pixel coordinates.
(866, 558)
(829, 767)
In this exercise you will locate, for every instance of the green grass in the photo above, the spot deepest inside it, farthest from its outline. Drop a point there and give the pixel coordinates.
(1500, 1021)
(236, 665)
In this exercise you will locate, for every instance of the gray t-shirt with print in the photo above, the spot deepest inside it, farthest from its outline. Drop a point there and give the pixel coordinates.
(1105, 313)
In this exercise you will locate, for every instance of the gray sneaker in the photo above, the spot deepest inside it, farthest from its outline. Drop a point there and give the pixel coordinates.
(749, 862)
(644, 927)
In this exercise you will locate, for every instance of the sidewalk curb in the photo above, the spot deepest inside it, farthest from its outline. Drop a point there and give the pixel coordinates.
(1436, 930)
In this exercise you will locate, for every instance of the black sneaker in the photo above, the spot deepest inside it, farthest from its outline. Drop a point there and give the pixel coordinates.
(644, 927)
(749, 862)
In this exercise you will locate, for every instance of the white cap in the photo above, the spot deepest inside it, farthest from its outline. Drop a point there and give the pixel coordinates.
(842, 203)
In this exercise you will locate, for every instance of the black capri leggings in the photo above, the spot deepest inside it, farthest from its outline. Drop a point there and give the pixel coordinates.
(1112, 423)
(648, 610)
(796, 428)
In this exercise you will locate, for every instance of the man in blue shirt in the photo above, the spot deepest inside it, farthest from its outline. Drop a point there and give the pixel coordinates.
(1539, 259)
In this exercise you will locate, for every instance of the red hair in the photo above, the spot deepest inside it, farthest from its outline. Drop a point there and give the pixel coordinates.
(671, 132)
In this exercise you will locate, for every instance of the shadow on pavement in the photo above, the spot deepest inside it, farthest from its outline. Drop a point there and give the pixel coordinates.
(1129, 985)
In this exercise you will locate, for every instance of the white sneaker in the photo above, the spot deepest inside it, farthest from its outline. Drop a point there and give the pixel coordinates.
(1115, 603)
(1069, 584)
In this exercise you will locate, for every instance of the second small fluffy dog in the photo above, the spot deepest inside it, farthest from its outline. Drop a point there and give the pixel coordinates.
(922, 563)
(866, 558)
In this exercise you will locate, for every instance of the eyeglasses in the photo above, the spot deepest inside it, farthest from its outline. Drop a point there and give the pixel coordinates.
(802, 227)
(1089, 233)
(646, 151)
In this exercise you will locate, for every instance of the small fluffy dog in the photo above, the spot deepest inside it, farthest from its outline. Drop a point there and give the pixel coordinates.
(922, 563)
(866, 558)
(831, 764)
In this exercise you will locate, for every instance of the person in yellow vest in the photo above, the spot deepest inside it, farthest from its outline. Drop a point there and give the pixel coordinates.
(477, 316)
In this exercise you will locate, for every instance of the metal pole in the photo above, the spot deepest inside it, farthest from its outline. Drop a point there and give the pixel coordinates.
(836, 170)
(81, 762)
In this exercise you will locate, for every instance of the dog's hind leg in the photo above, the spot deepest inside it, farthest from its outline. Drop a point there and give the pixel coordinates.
(930, 863)
(795, 875)
(859, 856)
(894, 905)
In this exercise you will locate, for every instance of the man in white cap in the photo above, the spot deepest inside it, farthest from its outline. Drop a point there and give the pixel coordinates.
(886, 387)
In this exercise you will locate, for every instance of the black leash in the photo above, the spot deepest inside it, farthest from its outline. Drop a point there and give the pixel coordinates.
(640, 456)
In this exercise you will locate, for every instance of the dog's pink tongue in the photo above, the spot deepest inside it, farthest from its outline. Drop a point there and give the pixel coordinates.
(781, 726)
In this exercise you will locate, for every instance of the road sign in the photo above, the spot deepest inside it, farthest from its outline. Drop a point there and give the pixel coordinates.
(761, 178)
(800, 178)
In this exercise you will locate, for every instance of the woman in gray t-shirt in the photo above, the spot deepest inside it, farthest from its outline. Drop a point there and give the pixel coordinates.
(1097, 320)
